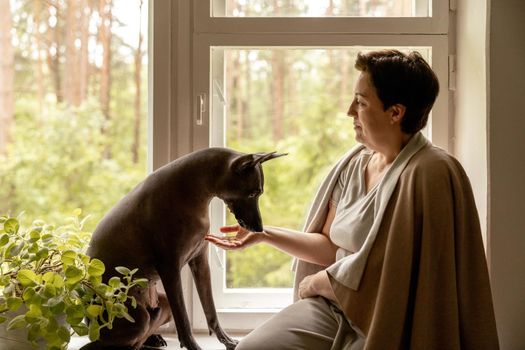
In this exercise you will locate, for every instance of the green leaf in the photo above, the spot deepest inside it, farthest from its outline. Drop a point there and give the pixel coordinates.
(120, 309)
(85, 259)
(128, 317)
(11, 226)
(42, 253)
(93, 310)
(34, 236)
(123, 270)
(14, 249)
(4, 239)
(2, 319)
(81, 329)
(53, 301)
(73, 275)
(74, 314)
(68, 258)
(33, 332)
(33, 248)
(58, 281)
(58, 308)
(94, 331)
(48, 277)
(96, 267)
(114, 282)
(17, 323)
(13, 303)
(27, 277)
(95, 280)
(63, 333)
(34, 313)
(142, 282)
(47, 238)
(29, 294)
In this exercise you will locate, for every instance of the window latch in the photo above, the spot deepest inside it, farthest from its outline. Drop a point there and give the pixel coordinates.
(202, 107)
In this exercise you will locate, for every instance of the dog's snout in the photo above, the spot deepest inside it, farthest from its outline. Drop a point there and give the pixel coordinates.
(257, 227)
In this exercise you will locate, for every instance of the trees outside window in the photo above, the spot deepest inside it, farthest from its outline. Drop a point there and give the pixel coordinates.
(72, 133)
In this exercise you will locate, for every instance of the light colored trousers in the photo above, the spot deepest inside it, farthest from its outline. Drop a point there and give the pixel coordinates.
(311, 323)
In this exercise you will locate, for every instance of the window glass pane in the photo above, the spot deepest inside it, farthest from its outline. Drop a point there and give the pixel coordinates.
(291, 100)
(321, 8)
(73, 105)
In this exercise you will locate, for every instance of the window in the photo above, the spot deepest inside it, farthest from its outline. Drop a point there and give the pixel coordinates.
(73, 106)
(278, 75)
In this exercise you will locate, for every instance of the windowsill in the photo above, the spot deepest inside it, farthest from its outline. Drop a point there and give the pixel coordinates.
(206, 341)
(235, 320)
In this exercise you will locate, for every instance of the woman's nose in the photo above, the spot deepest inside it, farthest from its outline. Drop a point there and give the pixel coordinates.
(351, 111)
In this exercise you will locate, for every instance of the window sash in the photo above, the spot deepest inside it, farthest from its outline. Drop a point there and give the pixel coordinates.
(422, 8)
(436, 24)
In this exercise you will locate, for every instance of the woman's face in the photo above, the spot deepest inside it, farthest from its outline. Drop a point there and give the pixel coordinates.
(372, 124)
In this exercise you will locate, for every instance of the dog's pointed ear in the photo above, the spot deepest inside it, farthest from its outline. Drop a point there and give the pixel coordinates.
(267, 156)
(246, 161)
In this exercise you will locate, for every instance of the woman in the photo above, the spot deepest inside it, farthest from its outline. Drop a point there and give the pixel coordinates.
(391, 256)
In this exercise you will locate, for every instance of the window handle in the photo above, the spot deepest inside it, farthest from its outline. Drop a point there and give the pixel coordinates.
(202, 107)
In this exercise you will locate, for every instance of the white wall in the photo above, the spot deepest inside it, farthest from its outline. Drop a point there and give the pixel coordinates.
(506, 164)
(470, 130)
(490, 143)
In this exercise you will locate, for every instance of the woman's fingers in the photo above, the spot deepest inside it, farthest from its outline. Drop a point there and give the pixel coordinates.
(224, 242)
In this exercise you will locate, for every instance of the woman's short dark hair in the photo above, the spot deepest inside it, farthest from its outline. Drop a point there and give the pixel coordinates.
(402, 78)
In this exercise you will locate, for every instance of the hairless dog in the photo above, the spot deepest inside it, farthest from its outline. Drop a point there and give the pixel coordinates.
(160, 226)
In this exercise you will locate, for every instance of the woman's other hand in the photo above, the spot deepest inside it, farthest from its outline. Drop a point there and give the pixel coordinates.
(243, 238)
(317, 284)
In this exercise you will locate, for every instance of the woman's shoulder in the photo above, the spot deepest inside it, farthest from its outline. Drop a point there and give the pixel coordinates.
(434, 161)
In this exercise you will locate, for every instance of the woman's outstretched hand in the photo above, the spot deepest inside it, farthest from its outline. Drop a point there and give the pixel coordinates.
(243, 238)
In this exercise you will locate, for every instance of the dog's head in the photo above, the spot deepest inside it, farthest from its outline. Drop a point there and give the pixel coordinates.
(243, 185)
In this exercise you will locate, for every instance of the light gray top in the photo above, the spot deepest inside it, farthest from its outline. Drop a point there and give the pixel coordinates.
(355, 208)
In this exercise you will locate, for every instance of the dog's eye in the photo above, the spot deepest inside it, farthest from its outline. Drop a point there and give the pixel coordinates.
(254, 194)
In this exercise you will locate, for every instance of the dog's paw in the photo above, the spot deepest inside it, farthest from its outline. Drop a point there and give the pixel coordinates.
(154, 341)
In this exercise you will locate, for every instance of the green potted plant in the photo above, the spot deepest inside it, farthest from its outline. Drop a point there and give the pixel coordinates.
(51, 290)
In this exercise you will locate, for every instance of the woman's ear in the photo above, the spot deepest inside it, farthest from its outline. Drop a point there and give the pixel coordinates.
(398, 112)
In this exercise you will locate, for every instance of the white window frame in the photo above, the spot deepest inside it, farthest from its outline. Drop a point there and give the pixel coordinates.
(182, 35)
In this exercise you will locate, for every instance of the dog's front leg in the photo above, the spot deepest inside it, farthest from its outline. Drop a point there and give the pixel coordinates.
(173, 286)
(201, 273)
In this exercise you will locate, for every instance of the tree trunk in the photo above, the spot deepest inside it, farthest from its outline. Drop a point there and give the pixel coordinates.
(85, 17)
(105, 71)
(138, 93)
(105, 41)
(237, 86)
(6, 75)
(54, 54)
(278, 78)
(72, 76)
(39, 69)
